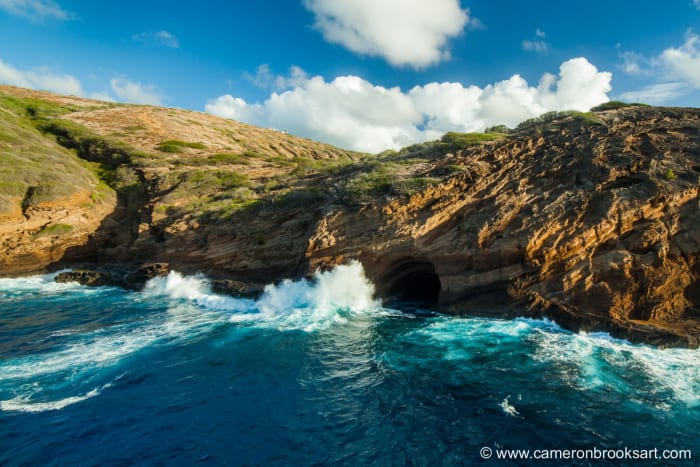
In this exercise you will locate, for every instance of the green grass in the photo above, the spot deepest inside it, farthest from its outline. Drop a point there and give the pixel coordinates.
(177, 146)
(54, 229)
(670, 174)
(34, 168)
(463, 140)
(587, 118)
(225, 158)
(613, 105)
(413, 185)
(498, 129)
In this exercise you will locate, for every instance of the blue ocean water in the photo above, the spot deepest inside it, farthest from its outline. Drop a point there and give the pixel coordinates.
(315, 372)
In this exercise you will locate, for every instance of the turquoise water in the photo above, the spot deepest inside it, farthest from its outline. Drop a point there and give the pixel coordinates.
(314, 372)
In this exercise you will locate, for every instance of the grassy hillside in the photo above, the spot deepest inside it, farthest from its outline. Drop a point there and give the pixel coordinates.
(35, 169)
(171, 165)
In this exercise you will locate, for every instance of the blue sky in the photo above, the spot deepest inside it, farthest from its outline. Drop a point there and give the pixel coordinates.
(361, 74)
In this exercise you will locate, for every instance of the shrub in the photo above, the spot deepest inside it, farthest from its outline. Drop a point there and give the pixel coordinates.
(670, 174)
(612, 105)
(176, 146)
(54, 229)
(366, 187)
(456, 140)
(549, 117)
(411, 186)
(498, 129)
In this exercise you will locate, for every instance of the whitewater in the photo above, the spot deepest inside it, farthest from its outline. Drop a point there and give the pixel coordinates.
(314, 371)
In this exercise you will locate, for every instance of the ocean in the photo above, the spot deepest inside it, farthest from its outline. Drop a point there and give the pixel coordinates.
(318, 372)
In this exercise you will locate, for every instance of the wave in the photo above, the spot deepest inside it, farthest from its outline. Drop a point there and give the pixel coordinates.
(582, 361)
(181, 307)
(598, 361)
(44, 284)
(191, 309)
(25, 404)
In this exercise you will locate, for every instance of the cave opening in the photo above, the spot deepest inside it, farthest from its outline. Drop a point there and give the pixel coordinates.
(415, 283)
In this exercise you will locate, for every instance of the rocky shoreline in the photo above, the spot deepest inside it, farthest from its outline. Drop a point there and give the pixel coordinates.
(591, 219)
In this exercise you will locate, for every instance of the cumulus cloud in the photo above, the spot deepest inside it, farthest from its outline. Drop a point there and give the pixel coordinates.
(237, 109)
(136, 93)
(35, 10)
(42, 78)
(353, 113)
(163, 38)
(403, 32)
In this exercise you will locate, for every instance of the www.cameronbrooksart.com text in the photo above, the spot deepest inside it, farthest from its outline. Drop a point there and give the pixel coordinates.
(586, 454)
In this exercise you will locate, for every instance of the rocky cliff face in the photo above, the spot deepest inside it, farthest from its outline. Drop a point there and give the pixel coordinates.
(591, 219)
(595, 223)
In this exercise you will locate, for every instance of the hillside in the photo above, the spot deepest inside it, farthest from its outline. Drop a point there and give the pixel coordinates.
(590, 218)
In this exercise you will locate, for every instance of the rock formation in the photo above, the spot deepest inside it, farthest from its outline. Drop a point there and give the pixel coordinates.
(590, 219)
(596, 224)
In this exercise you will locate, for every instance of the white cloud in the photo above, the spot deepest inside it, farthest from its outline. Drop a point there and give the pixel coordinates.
(353, 113)
(41, 78)
(56, 82)
(164, 38)
(136, 93)
(633, 63)
(265, 79)
(404, 32)
(676, 71)
(237, 109)
(684, 62)
(12, 76)
(540, 47)
(45, 79)
(656, 93)
(35, 10)
(538, 44)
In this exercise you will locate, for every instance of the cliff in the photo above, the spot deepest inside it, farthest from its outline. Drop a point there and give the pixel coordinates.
(591, 219)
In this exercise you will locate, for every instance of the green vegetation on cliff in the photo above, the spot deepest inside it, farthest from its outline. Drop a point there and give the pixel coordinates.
(35, 169)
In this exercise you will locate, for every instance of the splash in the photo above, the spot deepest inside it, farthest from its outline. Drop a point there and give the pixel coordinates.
(331, 297)
(508, 408)
(33, 285)
(195, 289)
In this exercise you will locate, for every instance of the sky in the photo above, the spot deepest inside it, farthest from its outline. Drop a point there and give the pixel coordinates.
(367, 75)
